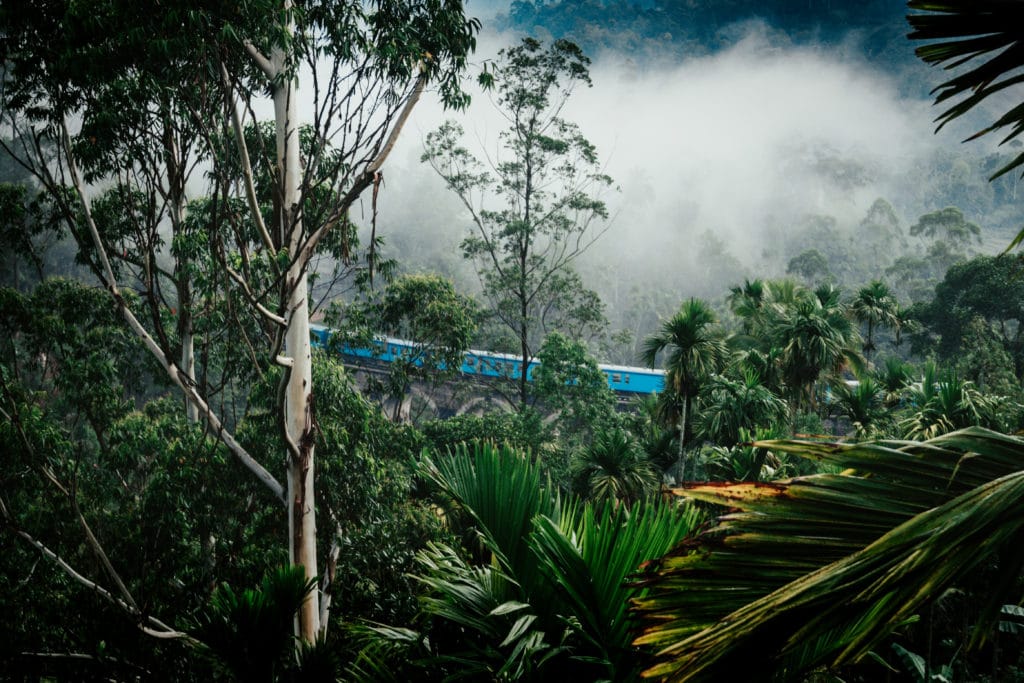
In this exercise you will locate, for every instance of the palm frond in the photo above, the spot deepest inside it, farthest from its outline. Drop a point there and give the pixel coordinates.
(817, 570)
(985, 33)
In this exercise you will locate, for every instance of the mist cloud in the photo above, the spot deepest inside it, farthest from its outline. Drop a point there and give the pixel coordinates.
(743, 144)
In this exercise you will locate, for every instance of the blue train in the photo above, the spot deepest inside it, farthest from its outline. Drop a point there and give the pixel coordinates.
(621, 378)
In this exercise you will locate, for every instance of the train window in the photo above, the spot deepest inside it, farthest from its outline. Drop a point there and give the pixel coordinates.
(470, 361)
(626, 379)
(498, 365)
(616, 378)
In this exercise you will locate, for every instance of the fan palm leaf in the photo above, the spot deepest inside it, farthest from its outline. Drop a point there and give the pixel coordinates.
(557, 576)
(817, 570)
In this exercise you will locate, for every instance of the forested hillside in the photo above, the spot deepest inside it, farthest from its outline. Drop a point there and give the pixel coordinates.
(584, 342)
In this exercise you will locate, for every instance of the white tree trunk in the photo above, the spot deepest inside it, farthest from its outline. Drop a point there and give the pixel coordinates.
(188, 359)
(298, 400)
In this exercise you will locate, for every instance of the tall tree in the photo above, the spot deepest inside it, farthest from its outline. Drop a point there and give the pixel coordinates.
(547, 181)
(948, 225)
(695, 351)
(62, 62)
(989, 287)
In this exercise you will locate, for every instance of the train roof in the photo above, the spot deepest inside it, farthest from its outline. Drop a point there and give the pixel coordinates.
(479, 353)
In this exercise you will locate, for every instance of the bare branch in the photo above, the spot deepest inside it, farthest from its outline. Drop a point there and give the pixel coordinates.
(365, 179)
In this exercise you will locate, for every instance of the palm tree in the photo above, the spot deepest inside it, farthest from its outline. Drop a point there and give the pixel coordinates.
(943, 403)
(695, 351)
(815, 336)
(249, 633)
(863, 403)
(552, 598)
(819, 570)
(904, 322)
(615, 468)
(747, 302)
(894, 377)
(874, 306)
(730, 407)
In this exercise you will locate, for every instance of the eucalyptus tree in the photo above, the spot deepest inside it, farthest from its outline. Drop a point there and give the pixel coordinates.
(809, 264)
(546, 181)
(695, 350)
(948, 225)
(111, 66)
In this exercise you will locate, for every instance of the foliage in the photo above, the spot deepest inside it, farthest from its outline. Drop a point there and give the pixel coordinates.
(569, 383)
(965, 31)
(948, 225)
(743, 461)
(942, 403)
(422, 309)
(894, 378)
(142, 503)
(821, 569)
(810, 265)
(547, 180)
(552, 598)
(28, 226)
(730, 407)
(815, 336)
(522, 431)
(990, 287)
(863, 404)
(614, 468)
(250, 632)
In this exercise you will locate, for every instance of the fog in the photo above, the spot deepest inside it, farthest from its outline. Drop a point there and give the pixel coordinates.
(726, 154)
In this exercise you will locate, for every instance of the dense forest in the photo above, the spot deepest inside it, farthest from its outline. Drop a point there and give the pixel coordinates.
(213, 217)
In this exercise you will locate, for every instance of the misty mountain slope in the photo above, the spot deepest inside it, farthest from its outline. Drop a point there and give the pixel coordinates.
(657, 31)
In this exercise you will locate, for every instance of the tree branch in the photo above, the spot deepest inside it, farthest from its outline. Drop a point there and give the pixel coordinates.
(148, 624)
(179, 377)
(262, 62)
(243, 154)
(365, 179)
